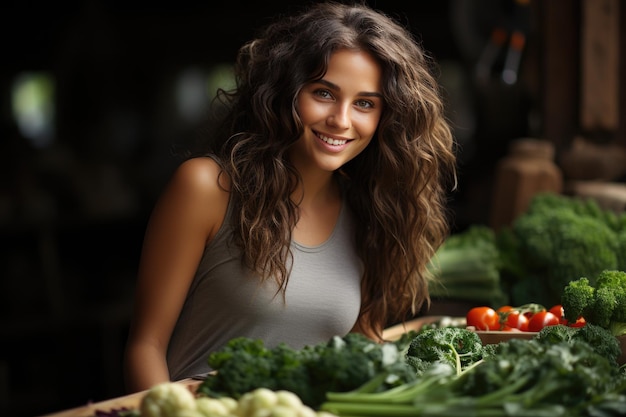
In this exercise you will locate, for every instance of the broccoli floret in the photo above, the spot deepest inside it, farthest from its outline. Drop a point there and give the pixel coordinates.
(602, 340)
(243, 364)
(576, 299)
(556, 334)
(455, 346)
(290, 369)
(603, 304)
(615, 281)
(604, 343)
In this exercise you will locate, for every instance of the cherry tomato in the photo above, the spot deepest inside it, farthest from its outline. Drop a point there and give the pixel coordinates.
(557, 310)
(483, 318)
(517, 320)
(580, 322)
(504, 309)
(542, 319)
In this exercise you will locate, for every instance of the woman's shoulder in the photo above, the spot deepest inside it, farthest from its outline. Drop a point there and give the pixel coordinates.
(198, 182)
(198, 192)
(203, 174)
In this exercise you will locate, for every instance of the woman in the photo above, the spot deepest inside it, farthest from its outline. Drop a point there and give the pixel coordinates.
(314, 210)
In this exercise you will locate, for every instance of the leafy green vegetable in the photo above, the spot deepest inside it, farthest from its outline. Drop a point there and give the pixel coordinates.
(345, 363)
(341, 364)
(466, 267)
(557, 240)
(457, 347)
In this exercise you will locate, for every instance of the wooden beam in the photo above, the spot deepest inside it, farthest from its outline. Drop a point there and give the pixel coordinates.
(600, 60)
(559, 25)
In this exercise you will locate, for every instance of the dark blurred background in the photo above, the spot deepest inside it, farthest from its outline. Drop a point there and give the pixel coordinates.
(97, 95)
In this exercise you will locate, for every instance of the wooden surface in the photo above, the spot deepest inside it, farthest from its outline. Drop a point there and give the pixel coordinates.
(129, 401)
(394, 332)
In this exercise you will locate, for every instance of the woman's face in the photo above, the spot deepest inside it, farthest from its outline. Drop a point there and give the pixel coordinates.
(340, 112)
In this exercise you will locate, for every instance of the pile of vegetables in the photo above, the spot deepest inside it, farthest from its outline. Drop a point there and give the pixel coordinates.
(557, 373)
(562, 371)
(556, 240)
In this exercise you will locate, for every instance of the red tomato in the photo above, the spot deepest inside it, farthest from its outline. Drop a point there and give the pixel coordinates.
(516, 320)
(542, 319)
(557, 310)
(580, 322)
(483, 318)
(504, 309)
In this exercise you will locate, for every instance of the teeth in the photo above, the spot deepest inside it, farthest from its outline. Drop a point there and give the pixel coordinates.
(334, 142)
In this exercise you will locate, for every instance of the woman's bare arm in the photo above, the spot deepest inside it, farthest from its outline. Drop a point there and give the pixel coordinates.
(187, 215)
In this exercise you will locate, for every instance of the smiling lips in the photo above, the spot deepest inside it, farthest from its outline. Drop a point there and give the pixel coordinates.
(331, 141)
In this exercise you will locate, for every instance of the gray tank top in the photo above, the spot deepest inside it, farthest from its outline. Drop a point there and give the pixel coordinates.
(226, 300)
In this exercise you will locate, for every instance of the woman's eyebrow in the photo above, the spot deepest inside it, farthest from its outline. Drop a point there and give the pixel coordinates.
(335, 87)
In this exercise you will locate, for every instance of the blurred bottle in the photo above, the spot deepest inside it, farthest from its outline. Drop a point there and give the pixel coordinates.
(528, 169)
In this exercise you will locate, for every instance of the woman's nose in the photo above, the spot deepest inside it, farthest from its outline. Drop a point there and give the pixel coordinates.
(340, 117)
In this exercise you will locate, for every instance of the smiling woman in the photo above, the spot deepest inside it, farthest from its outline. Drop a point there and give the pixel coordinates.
(313, 208)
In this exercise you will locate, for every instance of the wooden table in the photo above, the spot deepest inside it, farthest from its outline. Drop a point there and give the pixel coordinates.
(127, 401)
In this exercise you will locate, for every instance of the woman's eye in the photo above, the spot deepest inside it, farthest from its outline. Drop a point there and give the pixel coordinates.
(323, 93)
(366, 104)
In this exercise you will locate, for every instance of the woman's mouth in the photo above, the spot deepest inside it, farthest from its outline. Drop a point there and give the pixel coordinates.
(331, 141)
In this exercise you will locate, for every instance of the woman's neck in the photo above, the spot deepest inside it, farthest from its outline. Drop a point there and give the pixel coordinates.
(315, 189)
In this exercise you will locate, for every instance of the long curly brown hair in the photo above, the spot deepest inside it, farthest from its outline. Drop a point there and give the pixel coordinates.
(397, 187)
